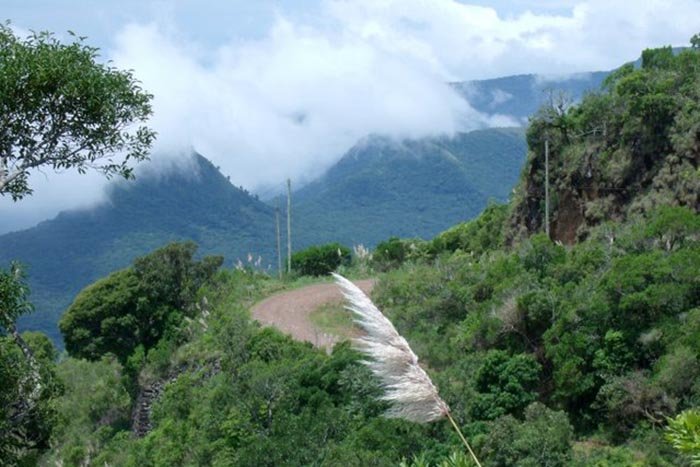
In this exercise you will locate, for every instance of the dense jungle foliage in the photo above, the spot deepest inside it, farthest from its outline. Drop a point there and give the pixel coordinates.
(548, 354)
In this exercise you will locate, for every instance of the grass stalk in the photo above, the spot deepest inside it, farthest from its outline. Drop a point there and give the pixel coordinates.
(464, 440)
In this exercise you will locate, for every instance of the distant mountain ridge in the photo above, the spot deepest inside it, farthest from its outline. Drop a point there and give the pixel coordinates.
(65, 254)
(411, 188)
(520, 96)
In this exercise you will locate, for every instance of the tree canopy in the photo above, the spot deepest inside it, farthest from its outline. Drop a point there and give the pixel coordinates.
(138, 305)
(61, 109)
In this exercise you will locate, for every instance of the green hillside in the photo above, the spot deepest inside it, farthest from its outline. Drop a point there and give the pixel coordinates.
(623, 151)
(65, 254)
(412, 188)
(577, 349)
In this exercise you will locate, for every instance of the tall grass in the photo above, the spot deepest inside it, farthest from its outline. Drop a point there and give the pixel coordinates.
(407, 387)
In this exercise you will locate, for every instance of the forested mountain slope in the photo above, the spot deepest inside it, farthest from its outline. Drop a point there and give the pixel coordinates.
(65, 254)
(412, 188)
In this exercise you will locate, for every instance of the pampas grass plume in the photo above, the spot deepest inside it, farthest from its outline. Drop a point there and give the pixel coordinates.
(407, 387)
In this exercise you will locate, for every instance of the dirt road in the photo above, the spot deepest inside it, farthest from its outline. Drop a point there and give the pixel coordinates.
(289, 311)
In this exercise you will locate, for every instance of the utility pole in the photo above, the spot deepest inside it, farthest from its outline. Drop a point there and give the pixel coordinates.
(289, 226)
(279, 240)
(546, 185)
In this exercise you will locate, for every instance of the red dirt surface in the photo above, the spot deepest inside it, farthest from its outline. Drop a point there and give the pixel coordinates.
(289, 311)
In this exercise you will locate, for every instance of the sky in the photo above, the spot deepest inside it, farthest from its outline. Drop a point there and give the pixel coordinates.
(275, 89)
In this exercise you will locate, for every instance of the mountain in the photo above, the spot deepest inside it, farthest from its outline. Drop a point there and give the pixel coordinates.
(411, 188)
(65, 254)
(520, 96)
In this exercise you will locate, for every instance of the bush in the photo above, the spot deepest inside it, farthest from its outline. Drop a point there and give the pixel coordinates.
(320, 260)
(392, 253)
(485, 233)
(543, 438)
(683, 432)
(506, 384)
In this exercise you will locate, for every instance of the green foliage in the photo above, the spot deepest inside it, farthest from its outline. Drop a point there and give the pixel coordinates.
(27, 404)
(389, 254)
(482, 234)
(320, 260)
(171, 275)
(625, 150)
(631, 399)
(544, 437)
(506, 384)
(94, 407)
(393, 252)
(27, 383)
(674, 227)
(683, 432)
(113, 300)
(456, 459)
(14, 293)
(606, 331)
(62, 109)
(137, 306)
(540, 255)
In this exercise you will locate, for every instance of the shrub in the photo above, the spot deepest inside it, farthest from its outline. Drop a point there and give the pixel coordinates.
(319, 260)
(392, 253)
(506, 384)
(476, 236)
(543, 438)
(683, 432)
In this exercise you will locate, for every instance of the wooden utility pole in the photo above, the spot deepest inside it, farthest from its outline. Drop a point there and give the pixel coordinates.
(289, 225)
(546, 186)
(279, 240)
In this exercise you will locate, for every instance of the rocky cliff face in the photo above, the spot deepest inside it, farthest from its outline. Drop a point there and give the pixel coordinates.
(628, 149)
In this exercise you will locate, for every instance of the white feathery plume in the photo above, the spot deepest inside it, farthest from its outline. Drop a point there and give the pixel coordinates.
(407, 387)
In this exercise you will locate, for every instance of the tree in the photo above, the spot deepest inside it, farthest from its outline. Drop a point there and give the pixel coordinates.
(14, 302)
(27, 385)
(695, 41)
(136, 306)
(61, 109)
(543, 438)
(320, 260)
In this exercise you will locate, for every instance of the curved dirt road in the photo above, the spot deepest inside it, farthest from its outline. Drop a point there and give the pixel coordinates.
(289, 311)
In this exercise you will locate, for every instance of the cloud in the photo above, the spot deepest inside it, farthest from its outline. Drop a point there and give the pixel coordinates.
(290, 104)
(290, 101)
